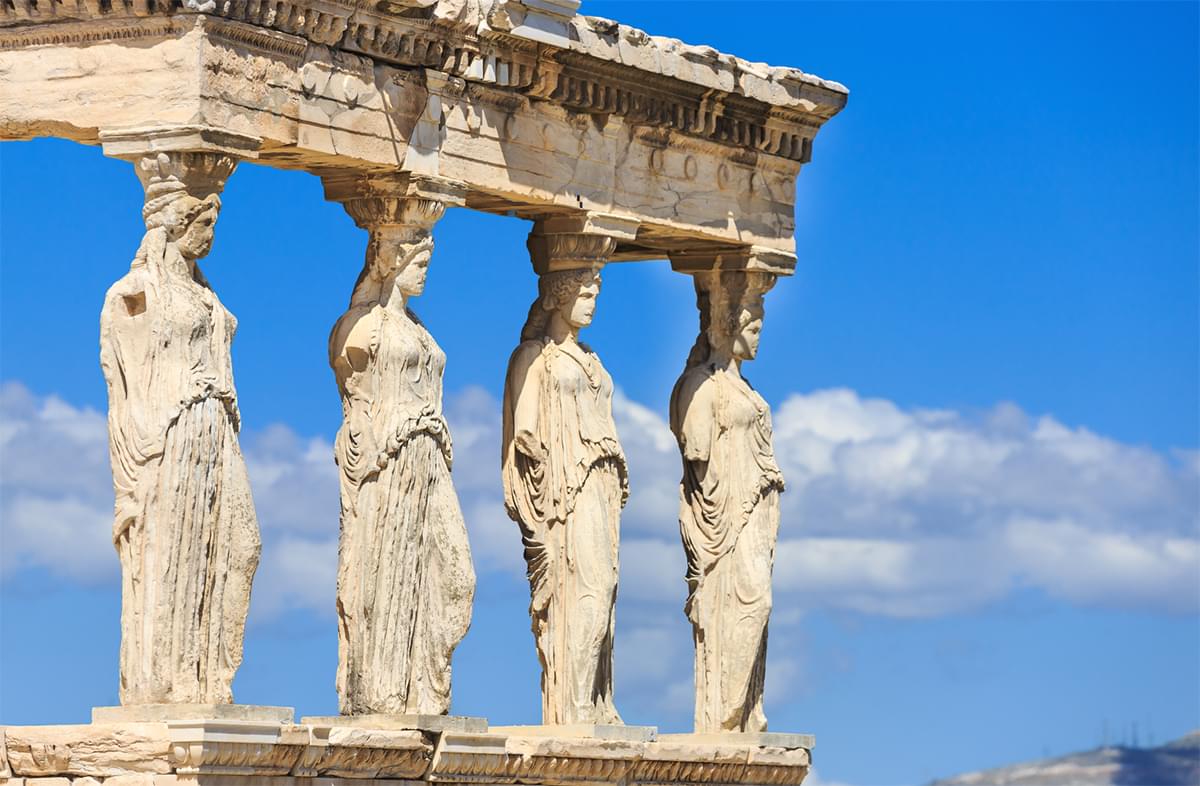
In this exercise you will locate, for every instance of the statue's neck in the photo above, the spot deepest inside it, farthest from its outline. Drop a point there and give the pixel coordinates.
(179, 265)
(560, 331)
(392, 298)
(724, 360)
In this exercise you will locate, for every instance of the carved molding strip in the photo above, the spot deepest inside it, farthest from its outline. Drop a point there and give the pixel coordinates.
(74, 32)
(586, 85)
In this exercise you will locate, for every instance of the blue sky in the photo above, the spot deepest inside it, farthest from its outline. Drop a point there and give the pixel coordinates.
(985, 376)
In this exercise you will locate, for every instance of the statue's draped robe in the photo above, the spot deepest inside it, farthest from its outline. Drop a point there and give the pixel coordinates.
(405, 579)
(729, 521)
(185, 528)
(568, 504)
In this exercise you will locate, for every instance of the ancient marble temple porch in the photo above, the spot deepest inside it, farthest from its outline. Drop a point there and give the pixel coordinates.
(616, 146)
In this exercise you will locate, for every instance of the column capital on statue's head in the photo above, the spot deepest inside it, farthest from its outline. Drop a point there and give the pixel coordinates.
(577, 241)
(748, 259)
(134, 143)
(381, 199)
(200, 158)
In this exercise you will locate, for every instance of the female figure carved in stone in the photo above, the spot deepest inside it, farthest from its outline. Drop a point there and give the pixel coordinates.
(729, 512)
(565, 483)
(185, 528)
(405, 579)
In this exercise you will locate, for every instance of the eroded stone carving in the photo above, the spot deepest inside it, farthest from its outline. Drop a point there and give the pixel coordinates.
(729, 511)
(184, 525)
(565, 483)
(405, 578)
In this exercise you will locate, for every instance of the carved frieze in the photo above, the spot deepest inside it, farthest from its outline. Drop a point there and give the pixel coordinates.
(232, 748)
(340, 752)
(492, 758)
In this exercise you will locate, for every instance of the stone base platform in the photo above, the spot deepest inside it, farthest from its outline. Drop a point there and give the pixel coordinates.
(233, 751)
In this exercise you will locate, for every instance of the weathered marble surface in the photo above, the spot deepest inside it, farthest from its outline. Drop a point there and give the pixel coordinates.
(225, 753)
(184, 528)
(405, 579)
(729, 509)
(565, 482)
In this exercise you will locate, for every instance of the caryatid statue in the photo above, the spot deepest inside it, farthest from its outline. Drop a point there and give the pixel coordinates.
(729, 511)
(185, 527)
(405, 580)
(565, 479)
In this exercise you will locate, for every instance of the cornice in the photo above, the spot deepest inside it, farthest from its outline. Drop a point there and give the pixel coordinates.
(495, 63)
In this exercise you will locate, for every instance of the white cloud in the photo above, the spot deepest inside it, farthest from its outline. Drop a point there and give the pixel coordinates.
(55, 488)
(888, 511)
(295, 574)
(56, 502)
(923, 512)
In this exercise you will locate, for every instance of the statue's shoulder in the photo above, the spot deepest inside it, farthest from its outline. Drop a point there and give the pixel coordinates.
(134, 280)
(694, 394)
(698, 381)
(355, 327)
(526, 352)
(126, 297)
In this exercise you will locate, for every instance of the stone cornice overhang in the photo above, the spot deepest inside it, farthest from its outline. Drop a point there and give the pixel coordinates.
(576, 80)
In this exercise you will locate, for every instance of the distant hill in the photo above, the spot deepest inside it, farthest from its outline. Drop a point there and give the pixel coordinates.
(1174, 764)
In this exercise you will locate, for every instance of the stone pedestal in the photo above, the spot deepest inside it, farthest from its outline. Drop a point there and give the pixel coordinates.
(757, 739)
(157, 713)
(410, 722)
(594, 731)
(238, 752)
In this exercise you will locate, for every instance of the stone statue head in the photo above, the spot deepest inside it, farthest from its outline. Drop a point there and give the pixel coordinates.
(396, 254)
(403, 254)
(749, 329)
(569, 293)
(189, 221)
(731, 314)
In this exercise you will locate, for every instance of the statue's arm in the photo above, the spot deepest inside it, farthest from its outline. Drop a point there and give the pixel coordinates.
(697, 419)
(525, 388)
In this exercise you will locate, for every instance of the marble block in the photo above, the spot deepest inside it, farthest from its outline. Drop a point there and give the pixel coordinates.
(408, 722)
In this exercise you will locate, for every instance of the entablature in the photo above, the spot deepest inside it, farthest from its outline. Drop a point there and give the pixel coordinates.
(534, 117)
